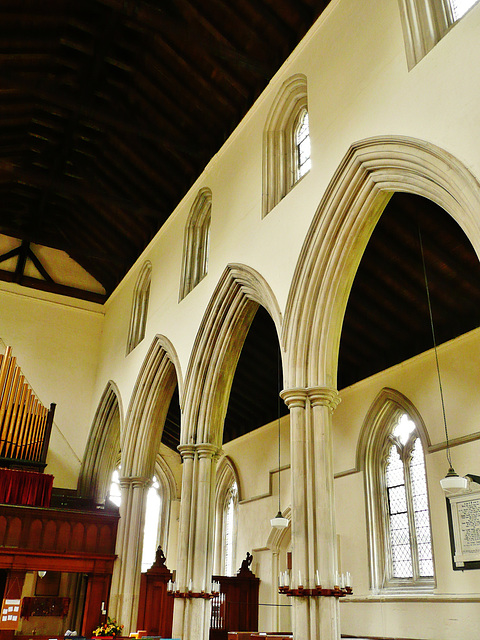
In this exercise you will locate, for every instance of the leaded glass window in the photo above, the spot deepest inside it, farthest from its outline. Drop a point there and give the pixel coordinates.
(409, 544)
(302, 145)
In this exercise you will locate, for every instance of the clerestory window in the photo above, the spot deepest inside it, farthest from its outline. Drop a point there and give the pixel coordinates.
(138, 316)
(197, 243)
(425, 22)
(286, 142)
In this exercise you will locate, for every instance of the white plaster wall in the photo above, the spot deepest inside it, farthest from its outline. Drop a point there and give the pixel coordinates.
(56, 343)
(440, 615)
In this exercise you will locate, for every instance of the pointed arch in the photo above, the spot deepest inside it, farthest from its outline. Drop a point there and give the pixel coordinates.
(148, 407)
(374, 444)
(217, 348)
(370, 173)
(103, 446)
(387, 406)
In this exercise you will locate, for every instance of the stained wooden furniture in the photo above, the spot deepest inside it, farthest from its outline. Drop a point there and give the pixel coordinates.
(155, 609)
(25, 424)
(236, 607)
(59, 540)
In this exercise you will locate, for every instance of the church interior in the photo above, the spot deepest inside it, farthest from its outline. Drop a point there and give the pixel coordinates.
(239, 319)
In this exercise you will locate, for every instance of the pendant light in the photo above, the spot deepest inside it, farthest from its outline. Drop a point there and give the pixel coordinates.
(279, 522)
(452, 483)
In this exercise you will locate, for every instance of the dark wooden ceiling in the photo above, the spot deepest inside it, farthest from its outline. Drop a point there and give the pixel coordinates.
(110, 109)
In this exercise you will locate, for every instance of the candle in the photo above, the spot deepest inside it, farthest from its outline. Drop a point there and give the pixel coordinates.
(348, 579)
(286, 579)
(190, 585)
(300, 583)
(337, 579)
(342, 582)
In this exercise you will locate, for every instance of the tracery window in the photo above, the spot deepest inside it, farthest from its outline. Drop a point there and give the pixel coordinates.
(138, 317)
(286, 144)
(398, 516)
(408, 523)
(197, 243)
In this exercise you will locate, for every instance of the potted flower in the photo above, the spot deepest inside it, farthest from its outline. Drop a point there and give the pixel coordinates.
(109, 629)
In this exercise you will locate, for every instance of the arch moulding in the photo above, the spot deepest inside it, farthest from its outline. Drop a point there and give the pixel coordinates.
(103, 445)
(148, 408)
(371, 171)
(239, 293)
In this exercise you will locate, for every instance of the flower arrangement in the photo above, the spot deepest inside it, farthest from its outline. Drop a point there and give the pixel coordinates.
(109, 628)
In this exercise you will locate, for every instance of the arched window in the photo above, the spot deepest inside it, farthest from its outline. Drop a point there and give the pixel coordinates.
(398, 509)
(229, 529)
(197, 243)
(286, 142)
(226, 515)
(302, 145)
(425, 22)
(138, 316)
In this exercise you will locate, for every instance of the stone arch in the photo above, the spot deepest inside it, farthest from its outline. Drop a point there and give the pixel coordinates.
(103, 446)
(148, 408)
(372, 170)
(239, 293)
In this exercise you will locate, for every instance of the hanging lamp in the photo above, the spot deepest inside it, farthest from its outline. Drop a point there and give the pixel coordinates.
(452, 483)
(279, 522)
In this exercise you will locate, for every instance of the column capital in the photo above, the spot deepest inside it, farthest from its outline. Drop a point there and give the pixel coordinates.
(296, 397)
(324, 396)
(187, 451)
(207, 450)
(134, 481)
(317, 396)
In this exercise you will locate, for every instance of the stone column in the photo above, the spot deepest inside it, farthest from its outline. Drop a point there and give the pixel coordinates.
(191, 620)
(313, 515)
(126, 576)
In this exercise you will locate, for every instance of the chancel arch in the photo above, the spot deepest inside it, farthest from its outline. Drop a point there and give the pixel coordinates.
(103, 446)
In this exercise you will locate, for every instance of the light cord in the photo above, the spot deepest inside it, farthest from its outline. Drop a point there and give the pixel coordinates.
(449, 459)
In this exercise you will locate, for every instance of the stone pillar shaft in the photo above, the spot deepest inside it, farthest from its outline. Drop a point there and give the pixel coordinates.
(127, 570)
(313, 516)
(191, 620)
